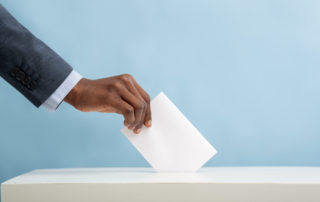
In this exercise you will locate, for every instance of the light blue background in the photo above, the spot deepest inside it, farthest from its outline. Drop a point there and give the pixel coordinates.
(246, 74)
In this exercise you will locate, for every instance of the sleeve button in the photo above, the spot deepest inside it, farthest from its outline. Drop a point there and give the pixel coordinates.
(20, 75)
(14, 71)
(26, 80)
(32, 85)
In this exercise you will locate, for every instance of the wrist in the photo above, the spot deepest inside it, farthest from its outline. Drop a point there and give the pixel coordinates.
(71, 98)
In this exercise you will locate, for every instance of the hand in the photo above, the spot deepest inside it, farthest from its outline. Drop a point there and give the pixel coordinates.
(119, 94)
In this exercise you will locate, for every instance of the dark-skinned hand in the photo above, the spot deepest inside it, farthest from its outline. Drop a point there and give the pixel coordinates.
(119, 94)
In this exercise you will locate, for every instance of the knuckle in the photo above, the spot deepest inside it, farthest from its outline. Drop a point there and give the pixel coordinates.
(142, 106)
(117, 85)
(145, 105)
(129, 110)
(128, 75)
(148, 98)
(125, 77)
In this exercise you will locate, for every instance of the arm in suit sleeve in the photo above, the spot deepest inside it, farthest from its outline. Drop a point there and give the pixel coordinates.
(53, 102)
(27, 63)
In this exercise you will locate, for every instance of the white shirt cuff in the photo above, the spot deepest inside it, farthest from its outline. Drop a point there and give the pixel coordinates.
(53, 102)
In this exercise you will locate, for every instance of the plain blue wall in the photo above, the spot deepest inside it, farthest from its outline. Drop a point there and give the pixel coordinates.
(246, 74)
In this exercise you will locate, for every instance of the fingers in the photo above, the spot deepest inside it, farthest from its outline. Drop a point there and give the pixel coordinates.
(119, 94)
(148, 119)
(146, 97)
(127, 111)
(139, 105)
(140, 114)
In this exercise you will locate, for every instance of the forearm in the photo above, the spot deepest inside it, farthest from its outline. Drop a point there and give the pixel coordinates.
(27, 63)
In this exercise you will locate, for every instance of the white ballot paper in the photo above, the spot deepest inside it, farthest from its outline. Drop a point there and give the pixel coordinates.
(172, 144)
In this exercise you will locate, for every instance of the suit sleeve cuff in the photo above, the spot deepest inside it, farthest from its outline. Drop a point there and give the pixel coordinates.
(53, 102)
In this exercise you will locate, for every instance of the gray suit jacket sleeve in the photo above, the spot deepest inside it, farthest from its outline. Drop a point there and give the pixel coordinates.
(27, 63)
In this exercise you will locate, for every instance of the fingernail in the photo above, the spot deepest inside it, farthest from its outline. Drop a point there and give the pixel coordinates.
(137, 131)
(149, 123)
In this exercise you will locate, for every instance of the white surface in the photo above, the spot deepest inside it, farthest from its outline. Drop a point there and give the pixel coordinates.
(172, 143)
(223, 184)
(294, 175)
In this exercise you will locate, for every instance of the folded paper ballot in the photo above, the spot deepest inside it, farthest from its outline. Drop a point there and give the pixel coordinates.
(172, 144)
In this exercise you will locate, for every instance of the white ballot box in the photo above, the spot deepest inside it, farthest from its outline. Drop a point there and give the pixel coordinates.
(143, 184)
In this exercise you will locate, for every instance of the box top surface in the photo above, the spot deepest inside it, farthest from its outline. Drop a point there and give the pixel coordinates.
(284, 175)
